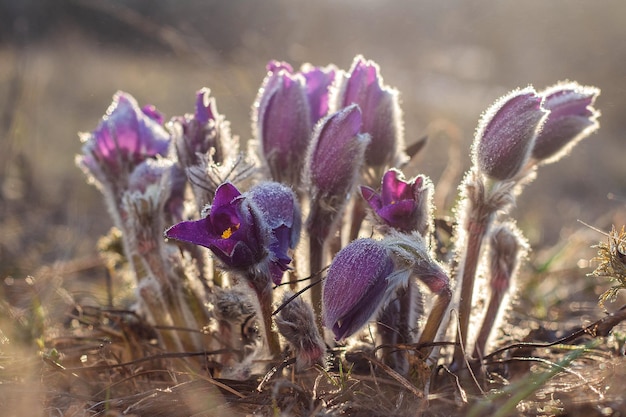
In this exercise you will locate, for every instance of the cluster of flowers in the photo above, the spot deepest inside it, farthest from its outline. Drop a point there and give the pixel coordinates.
(327, 149)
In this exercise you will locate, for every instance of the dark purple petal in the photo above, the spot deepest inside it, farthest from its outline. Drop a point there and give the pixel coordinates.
(205, 107)
(506, 133)
(372, 197)
(355, 286)
(234, 230)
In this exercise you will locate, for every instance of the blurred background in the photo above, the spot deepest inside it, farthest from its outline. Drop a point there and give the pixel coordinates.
(62, 60)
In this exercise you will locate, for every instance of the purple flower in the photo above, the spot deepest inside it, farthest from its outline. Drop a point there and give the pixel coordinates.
(278, 205)
(126, 136)
(205, 131)
(572, 118)
(506, 133)
(233, 230)
(355, 286)
(318, 81)
(282, 122)
(403, 205)
(336, 152)
(380, 108)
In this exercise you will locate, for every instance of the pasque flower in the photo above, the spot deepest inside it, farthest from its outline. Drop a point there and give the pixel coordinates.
(318, 82)
(202, 132)
(572, 118)
(280, 209)
(126, 136)
(234, 230)
(282, 122)
(402, 205)
(355, 286)
(506, 133)
(380, 107)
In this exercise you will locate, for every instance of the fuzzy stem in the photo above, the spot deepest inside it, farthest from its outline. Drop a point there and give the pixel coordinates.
(358, 215)
(316, 259)
(477, 227)
(435, 318)
(490, 318)
(265, 301)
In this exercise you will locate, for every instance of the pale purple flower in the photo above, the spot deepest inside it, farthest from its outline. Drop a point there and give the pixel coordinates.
(356, 284)
(572, 118)
(380, 107)
(282, 122)
(318, 82)
(506, 133)
(126, 136)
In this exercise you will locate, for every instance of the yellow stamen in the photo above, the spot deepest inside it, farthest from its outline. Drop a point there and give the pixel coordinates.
(228, 232)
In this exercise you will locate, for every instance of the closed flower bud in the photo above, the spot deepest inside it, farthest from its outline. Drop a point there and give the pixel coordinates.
(356, 285)
(278, 205)
(282, 122)
(318, 82)
(126, 136)
(205, 131)
(572, 118)
(336, 153)
(296, 323)
(234, 230)
(402, 205)
(382, 116)
(506, 134)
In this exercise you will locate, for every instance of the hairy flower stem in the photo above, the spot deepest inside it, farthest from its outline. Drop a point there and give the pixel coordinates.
(394, 328)
(493, 308)
(316, 260)
(477, 227)
(264, 295)
(435, 318)
(358, 215)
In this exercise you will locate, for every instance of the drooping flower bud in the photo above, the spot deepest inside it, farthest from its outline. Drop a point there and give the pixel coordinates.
(279, 206)
(205, 131)
(402, 205)
(126, 136)
(382, 116)
(506, 134)
(356, 284)
(318, 82)
(282, 122)
(234, 230)
(333, 162)
(296, 323)
(572, 118)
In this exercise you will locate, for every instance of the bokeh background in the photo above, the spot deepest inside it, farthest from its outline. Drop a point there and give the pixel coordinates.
(62, 60)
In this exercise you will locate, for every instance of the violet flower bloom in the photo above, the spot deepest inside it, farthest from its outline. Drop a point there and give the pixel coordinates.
(572, 118)
(282, 122)
(402, 205)
(318, 82)
(381, 112)
(355, 286)
(506, 134)
(279, 207)
(126, 136)
(233, 230)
